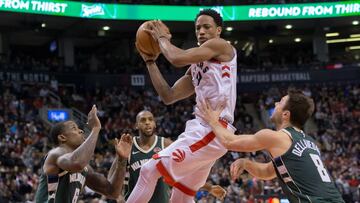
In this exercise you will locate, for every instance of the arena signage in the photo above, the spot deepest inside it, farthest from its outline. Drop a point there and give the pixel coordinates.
(58, 115)
(38, 7)
(274, 77)
(181, 13)
(24, 76)
(304, 11)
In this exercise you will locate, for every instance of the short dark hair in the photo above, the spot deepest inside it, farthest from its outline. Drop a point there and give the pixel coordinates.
(301, 107)
(212, 13)
(56, 130)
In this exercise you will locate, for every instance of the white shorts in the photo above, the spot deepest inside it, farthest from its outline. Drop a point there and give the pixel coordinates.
(186, 163)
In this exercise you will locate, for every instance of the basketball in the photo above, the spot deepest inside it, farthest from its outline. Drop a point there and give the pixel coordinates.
(145, 42)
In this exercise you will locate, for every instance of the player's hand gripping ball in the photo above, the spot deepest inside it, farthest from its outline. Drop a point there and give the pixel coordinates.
(145, 42)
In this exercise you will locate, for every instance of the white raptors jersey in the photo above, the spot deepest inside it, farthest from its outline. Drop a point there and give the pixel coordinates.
(216, 81)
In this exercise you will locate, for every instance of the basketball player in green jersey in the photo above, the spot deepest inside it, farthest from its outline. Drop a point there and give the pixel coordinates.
(295, 157)
(145, 146)
(66, 168)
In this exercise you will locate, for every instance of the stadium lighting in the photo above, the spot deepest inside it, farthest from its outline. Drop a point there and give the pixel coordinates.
(332, 41)
(43, 25)
(229, 29)
(271, 41)
(297, 39)
(106, 28)
(236, 42)
(354, 47)
(288, 26)
(228, 42)
(354, 35)
(355, 22)
(332, 34)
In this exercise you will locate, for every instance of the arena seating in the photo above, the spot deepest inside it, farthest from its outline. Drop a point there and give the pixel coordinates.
(24, 137)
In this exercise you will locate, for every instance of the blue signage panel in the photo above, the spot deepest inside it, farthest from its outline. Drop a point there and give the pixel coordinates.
(58, 115)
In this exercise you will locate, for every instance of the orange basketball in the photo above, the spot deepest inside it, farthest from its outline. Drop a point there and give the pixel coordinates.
(145, 42)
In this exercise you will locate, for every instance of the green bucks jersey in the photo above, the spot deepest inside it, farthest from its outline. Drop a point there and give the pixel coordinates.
(139, 157)
(302, 174)
(64, 187)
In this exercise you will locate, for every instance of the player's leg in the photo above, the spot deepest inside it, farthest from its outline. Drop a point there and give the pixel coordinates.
(146, 183)
(196, 179)
(178, 196)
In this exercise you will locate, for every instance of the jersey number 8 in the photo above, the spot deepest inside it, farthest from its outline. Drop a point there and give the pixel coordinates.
(320, 167)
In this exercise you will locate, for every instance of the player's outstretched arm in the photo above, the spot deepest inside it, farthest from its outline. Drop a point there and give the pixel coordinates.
(112, 185)
(264, 171)
(180, 58)
(80, 157)
(263, 139)
(213, 48)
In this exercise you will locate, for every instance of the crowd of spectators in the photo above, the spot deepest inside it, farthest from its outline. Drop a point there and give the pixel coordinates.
(24, 136)
(110, 63)
(104, 63)
(22, 141)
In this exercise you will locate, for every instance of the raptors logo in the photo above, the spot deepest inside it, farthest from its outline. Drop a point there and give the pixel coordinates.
(178, 155)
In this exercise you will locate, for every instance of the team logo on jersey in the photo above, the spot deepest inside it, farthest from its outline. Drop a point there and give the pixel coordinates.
(178, 155)
(224, 73)
(157, 149)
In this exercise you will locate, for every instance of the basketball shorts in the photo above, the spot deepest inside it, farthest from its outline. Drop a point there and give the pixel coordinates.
(187, 162)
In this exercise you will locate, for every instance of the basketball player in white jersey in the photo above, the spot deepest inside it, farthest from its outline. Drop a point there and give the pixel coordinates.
(186, 163)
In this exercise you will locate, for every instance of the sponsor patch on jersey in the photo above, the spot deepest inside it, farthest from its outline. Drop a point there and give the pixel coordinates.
(157, 149)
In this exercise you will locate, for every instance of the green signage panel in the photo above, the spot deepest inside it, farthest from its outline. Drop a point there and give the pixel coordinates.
(181, 13)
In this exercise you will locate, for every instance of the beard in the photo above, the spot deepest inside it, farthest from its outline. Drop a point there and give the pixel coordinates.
(147, 133)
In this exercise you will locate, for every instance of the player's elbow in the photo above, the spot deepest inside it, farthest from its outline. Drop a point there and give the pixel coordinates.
(269, 177)
(179, 65)
(77, 166)
(177, 62)
(269, 172)
(166, 101)
(167, 98)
